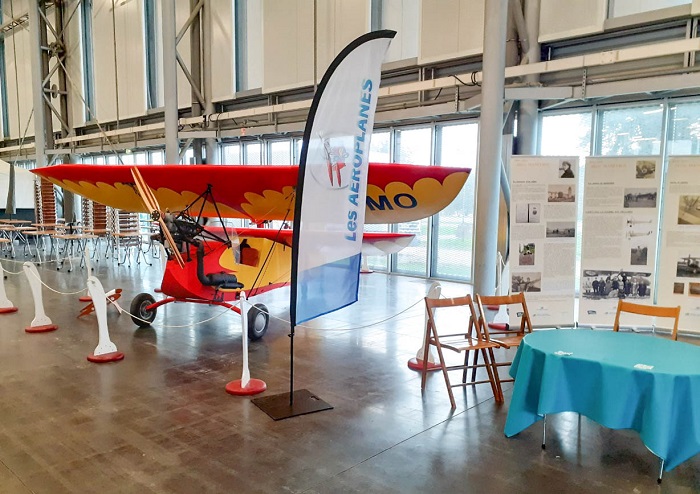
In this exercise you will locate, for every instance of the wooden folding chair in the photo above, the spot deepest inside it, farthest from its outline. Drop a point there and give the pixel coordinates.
(505, 338)
(648, 310)
(471, 338)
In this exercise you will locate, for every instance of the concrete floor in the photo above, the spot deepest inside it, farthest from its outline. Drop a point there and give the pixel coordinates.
(160, 421)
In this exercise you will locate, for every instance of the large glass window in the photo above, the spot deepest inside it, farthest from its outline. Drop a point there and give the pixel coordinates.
(456, 145)
(414, 146)
(231, 154)
(566, 135)
(280, 153)
(253, 153)
(156, 157)
(684, 129)
(631, 130)
(379, 152)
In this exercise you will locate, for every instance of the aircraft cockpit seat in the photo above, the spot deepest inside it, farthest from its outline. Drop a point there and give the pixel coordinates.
(222, 281)
(248, 255)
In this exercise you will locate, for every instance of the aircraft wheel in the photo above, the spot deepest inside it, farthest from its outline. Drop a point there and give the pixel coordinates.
(141, 316)
(258, 320)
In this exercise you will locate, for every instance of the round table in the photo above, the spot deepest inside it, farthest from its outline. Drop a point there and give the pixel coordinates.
(620, 380)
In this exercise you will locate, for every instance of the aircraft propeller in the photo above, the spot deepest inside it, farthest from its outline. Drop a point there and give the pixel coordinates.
(151, 203)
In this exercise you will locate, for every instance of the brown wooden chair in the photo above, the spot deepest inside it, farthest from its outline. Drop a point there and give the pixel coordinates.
(509, 337)
(648, 310)
(470, 338)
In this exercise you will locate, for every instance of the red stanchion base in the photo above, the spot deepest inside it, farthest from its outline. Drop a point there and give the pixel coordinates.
(85, 298)
(417, 365)
(499, 326)
(106, 357)
(8, 310)
(254, 387)
(41, 329)
(366, 271)
(493, 307)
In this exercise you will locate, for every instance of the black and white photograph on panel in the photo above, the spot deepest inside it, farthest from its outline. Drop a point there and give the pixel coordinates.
(526, 254)
(694, 289)
(639, 255)
(560, 193)
(679, 288)
(560, 229)
(640, 198)
(689, 210)
(646, 169)
(606, 284)
(526, 282)
(566, 169)
(528, 212)
(688, 266)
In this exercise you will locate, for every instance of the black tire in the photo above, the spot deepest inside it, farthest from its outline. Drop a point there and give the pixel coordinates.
(141, 316)
(258, 320)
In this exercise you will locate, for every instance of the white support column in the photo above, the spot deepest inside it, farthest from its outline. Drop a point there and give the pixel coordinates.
(490, 134)
(172, 144)
(528, 118)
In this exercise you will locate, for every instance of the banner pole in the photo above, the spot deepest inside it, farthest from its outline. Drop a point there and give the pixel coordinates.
(291, 366)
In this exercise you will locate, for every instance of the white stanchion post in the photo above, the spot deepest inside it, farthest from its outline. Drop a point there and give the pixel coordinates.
(111, 297)
(416, 363)
(501, 316)
(41, 322)
(163, 262)
(6, 307)
(245, 386)
(86, 257)
(105, 351)
(364, 268)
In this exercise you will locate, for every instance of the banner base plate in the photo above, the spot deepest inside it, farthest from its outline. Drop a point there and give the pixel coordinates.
(278, 407)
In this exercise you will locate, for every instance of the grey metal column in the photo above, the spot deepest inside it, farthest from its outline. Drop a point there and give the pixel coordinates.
(489, 168)
(172, 144)
(196, 69)
(528, 121)
(37, 55)
(207, 26)
(69, 209)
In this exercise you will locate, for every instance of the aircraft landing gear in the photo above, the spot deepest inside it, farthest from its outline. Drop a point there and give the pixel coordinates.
(258, 320)
(141, 316)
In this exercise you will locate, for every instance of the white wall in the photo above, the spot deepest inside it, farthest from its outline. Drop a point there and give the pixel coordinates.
(19, 75)
(130, 74)
(451, 29)
(222, 50)
(629, 7)
(288, 44)
(568, 18)
(403, 17)
(254, 44)
(338, 22)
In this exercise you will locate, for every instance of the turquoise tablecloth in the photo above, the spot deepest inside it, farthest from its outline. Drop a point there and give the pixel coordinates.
(599, 380)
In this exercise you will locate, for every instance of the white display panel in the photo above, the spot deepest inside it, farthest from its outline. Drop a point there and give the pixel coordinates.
(620, 226)
(679, 266)
(543, 236)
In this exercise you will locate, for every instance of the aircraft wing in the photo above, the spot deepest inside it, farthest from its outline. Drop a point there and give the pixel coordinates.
(373, 243)
(395, 193)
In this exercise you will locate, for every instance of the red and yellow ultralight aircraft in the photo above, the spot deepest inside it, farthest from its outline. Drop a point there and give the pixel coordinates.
(204, 264)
